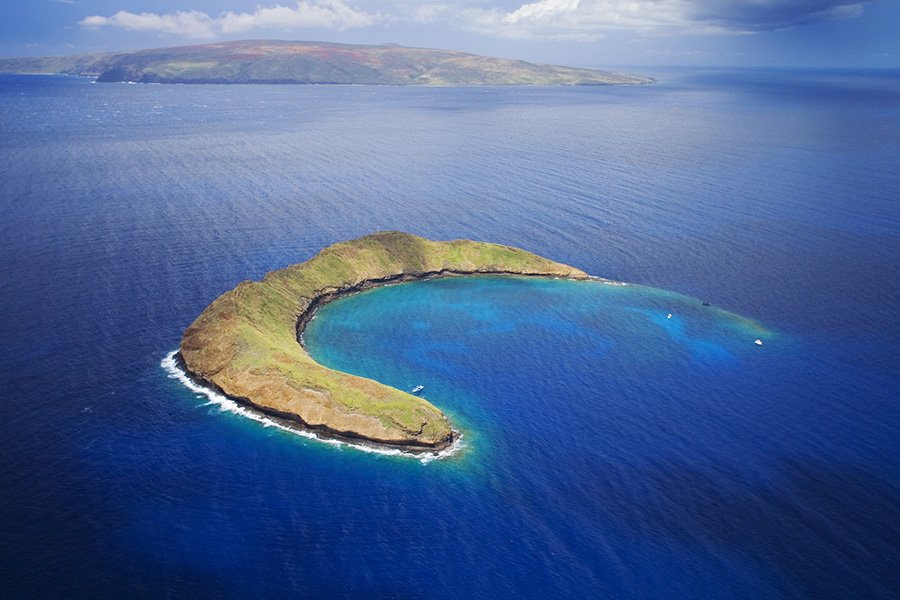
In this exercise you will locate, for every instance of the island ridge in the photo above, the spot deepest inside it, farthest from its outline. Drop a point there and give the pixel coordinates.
(247, 343)
(279, 61)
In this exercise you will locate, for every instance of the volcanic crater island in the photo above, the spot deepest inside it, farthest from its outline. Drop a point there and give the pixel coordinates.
(248, 343)
(299, 62)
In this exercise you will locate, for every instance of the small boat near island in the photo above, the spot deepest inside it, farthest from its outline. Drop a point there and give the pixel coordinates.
(418, 389)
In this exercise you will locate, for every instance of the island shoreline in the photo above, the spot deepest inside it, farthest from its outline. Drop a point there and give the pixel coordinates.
(286, 62)
(248, 345)
(292, 421)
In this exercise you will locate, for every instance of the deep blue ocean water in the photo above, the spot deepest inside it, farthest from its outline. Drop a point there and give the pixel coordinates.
(608, 451)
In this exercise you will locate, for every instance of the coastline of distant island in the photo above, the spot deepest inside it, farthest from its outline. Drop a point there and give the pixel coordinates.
(301, 62)
(248, 343)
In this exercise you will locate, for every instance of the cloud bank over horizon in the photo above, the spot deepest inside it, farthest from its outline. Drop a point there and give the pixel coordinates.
(318, 14)
(575, 20)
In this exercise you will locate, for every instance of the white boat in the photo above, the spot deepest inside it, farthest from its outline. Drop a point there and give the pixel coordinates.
(418, 389)
(757, 342)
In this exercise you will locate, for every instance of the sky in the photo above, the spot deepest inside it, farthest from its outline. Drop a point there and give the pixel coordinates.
(737, 33)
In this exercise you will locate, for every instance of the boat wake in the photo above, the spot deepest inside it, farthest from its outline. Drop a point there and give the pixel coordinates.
(226, 404)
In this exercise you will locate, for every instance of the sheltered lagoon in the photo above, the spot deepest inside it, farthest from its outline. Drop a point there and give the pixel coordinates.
(248, 345)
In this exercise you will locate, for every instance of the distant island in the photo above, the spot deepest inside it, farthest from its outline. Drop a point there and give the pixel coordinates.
(287, 62)
(247, 344)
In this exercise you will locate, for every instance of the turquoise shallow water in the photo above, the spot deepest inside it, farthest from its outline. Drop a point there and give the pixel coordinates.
(578, 341)
(634, 436)
(610, 451)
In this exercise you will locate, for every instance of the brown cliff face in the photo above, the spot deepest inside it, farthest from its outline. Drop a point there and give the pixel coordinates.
(246, 342)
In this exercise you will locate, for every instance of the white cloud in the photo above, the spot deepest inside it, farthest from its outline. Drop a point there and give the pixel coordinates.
(577, 19)
(305, 14)
(192, 23)
(543, 9)
(324, 14)
(539, 19)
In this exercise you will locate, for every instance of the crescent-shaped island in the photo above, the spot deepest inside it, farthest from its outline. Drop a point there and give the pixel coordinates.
(247, 344)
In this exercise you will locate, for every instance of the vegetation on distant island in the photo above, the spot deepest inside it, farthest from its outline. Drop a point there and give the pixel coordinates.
(273, 61)
(246, 342)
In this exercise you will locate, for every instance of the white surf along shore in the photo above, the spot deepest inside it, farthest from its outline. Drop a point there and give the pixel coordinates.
(226, 404)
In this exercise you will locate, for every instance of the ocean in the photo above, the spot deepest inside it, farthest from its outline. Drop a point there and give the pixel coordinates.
(608, 450)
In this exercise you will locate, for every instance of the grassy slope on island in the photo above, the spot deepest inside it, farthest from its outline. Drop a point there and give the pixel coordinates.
(246, 344)
(274, 61)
